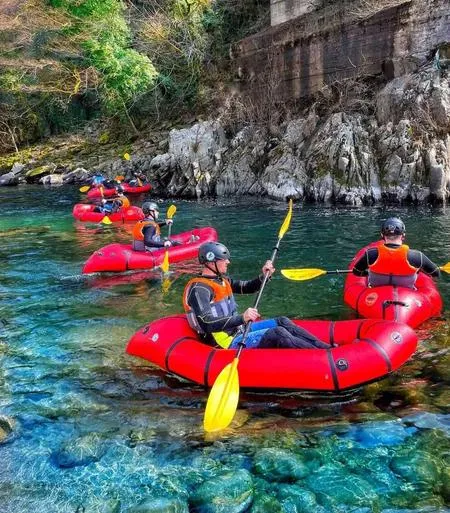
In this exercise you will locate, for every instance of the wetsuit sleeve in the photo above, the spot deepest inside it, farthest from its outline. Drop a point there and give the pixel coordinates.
(423, 263)
(246, 286)
(150, 238)
(361, 267)
(199, 299)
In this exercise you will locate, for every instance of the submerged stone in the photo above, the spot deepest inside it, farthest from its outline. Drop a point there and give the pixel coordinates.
(80, 451)
(6, 427)
(298, 499)
(230, 493)
(417, 467)
(374, 434)
(266, 504)
(333, 486)
(279, 465)
(160, 505)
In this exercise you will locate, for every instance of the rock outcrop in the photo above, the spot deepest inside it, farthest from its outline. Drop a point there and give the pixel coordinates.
(399, 152)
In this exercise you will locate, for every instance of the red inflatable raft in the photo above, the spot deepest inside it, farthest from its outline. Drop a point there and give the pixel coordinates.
(401, 304)
(361, 351)
(85, 212)
(128, 189)
(121, 257)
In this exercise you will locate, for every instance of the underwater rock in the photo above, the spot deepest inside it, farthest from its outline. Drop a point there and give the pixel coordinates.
(375, 434)
(427, 420)
(230, 493)
(333, 486)
(6, 427)
(80, 451)
(296, 498)
(417, 467)
(266, 504)
(160, 505)
(279, 465)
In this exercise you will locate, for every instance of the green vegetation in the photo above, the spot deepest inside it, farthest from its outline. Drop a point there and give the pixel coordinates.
(63, 62)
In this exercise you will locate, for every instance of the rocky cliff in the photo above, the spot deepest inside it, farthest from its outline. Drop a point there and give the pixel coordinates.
(381, 135)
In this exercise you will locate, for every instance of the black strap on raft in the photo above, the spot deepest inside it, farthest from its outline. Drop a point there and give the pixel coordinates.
(390, 302)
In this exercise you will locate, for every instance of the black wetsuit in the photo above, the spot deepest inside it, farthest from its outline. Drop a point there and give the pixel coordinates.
(279, 333)
(415, 258)
(150, 237)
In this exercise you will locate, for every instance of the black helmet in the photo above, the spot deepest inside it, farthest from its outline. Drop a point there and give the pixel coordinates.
(393, 226)
(149, 206)
(212, 252)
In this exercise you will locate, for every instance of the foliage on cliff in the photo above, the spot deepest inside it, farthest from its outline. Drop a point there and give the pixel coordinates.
(63, 62)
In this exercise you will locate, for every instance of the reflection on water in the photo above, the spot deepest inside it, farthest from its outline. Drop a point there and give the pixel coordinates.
(84, 427)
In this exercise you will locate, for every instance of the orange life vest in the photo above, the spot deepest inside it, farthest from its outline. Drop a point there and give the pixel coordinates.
(392, 267)
(125, 202)
(222, 304)
(138, 229)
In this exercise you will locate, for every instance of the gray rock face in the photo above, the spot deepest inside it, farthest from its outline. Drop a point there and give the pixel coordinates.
(9, 179)
(401, 153)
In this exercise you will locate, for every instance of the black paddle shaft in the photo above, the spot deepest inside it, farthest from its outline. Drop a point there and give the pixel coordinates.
(258, 297)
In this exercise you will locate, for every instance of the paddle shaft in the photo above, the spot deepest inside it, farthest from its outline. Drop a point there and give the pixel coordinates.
(340, 271)
(258, 297)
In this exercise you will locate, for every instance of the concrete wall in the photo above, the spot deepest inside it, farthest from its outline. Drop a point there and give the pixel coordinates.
(300, 56)
(285, 10)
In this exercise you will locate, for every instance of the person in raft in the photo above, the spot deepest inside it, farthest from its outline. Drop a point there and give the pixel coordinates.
(147, 232)
(393, 263)
(212, 311)
(137, 180)
(112, 205)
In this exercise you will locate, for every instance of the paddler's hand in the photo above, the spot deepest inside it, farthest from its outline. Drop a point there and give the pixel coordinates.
(169, 221)
(268, 268)
(167, 244)
(251, 314)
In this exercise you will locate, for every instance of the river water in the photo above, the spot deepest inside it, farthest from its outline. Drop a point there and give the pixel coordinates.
(86, 428)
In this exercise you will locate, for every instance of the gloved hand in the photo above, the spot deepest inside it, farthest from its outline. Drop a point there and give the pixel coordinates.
(169, 221)
(167, 244)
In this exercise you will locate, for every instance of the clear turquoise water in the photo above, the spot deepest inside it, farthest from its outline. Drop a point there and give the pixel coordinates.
(87, 428)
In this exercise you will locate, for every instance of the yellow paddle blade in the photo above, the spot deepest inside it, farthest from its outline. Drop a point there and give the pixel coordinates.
(171, 211)
(166, 285)
(85, 188)
(445, 268)
(126, 156)
(285, 226)
(165, 264)
(302, 274)
(106, 220)
(223, 399)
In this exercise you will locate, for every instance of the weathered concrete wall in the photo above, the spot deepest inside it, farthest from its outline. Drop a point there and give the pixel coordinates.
(335, 43)
(285, 10)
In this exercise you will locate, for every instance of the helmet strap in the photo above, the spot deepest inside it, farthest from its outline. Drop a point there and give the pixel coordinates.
(215, 270)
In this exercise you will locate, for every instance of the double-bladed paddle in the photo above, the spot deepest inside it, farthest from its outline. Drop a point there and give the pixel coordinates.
(311, 273)
(170, 213)
(224, 396)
